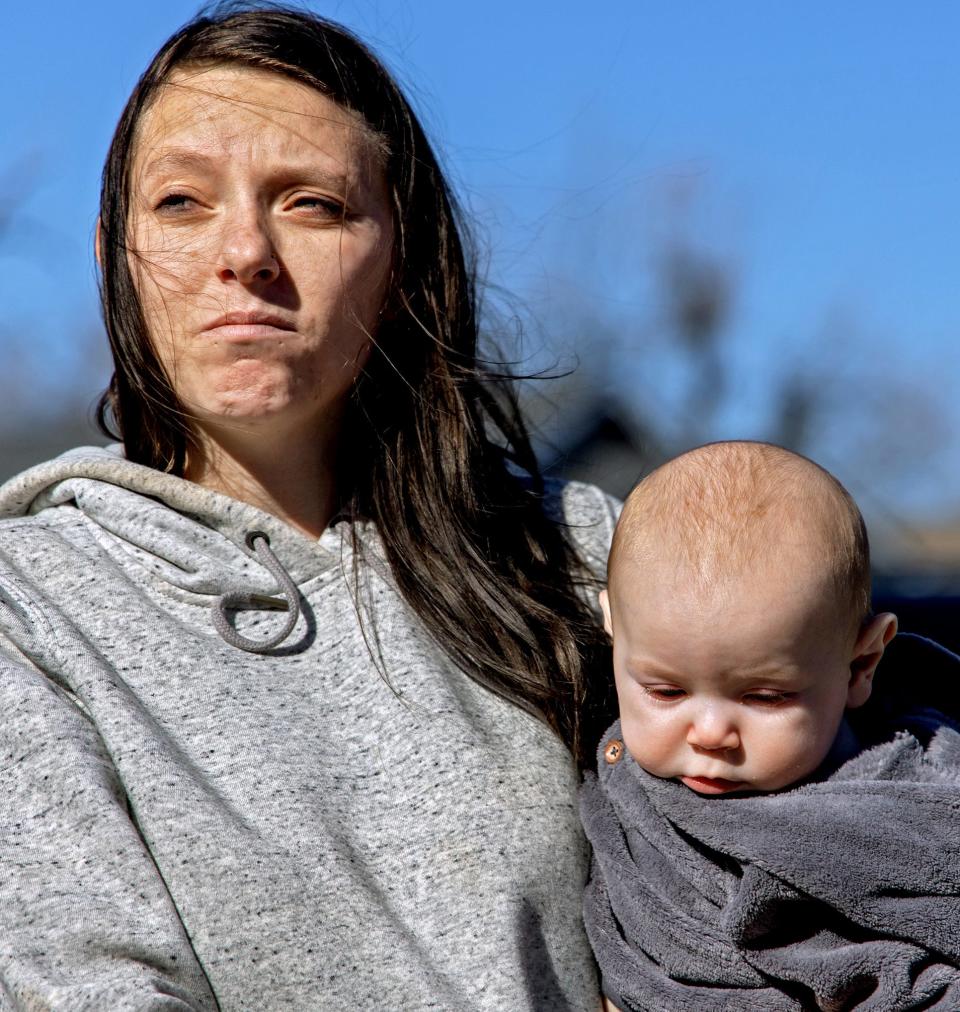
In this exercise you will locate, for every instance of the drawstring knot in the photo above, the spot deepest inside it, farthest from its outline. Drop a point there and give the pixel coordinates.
(259, 544)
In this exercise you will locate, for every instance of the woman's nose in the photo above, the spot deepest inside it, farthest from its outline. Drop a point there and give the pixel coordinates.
(246, 253)
(713, 729)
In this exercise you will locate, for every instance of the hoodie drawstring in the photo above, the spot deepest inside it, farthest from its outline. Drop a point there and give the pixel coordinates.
(259, 543)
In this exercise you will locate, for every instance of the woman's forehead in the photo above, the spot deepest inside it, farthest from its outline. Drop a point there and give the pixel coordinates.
(232, 111)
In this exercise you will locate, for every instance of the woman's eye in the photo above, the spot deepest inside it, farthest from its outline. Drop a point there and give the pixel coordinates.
(174, 203)
(320, 207)
(664, 692)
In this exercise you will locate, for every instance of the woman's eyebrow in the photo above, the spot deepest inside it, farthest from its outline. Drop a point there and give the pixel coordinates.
(178, 160)
(195, 161)
(312, 174)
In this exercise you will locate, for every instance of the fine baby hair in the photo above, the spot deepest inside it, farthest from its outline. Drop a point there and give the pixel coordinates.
(727, 506)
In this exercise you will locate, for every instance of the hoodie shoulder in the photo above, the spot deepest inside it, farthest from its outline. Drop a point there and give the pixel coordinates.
(589, 516)
(19, 495)
(32, 522)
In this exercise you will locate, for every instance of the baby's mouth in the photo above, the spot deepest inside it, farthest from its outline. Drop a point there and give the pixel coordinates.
(712, 785)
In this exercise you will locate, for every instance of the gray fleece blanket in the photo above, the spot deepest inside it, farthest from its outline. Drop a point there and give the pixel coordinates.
(840, 893)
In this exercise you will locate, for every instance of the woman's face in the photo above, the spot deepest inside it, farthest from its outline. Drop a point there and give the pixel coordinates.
(261, 241)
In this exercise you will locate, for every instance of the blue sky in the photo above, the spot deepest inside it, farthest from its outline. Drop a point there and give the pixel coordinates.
(814, 147)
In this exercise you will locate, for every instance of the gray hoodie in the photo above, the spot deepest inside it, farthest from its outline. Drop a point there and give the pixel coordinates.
(188, 825)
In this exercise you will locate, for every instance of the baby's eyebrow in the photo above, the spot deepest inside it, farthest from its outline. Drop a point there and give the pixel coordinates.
(651, 669)
(772, 675)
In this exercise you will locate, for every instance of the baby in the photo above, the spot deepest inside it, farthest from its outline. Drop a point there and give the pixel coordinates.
(738, 601)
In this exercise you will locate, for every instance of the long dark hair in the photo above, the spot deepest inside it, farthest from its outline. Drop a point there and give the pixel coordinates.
(435, 452)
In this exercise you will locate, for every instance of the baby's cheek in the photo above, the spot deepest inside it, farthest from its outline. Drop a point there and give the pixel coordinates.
(648, 738)
(631, 722)
(791, 749)
(633, 738)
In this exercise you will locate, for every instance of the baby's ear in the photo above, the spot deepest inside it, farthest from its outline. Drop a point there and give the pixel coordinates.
(867, 651)
(605, 608)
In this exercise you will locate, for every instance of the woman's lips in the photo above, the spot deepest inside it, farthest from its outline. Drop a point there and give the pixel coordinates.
(712, 785)
(248, 326)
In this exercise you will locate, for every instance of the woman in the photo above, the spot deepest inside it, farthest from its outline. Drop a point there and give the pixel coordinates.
(368, 801)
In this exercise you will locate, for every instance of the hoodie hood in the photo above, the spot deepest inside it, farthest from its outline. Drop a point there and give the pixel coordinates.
(189, 536)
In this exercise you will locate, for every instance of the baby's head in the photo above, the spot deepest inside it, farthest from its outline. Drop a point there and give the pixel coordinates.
(738, 600)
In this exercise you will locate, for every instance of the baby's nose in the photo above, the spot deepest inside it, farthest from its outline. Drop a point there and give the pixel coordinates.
(713, 730)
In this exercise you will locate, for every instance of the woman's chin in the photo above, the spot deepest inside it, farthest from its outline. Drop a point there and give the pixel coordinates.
(249, 414)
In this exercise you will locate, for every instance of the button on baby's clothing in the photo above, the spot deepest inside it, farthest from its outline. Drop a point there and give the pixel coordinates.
(613, 753)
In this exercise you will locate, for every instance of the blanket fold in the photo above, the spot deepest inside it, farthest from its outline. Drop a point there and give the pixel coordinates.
(840, 893)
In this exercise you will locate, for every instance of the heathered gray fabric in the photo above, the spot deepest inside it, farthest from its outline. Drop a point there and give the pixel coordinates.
(187, 825)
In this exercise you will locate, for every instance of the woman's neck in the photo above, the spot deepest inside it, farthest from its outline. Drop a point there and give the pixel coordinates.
(292, 478)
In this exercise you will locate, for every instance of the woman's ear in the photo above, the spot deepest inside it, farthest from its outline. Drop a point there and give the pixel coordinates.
(96, 245)
(605, 608)
(867, 651)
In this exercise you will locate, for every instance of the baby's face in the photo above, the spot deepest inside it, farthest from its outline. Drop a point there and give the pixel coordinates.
(741, 688)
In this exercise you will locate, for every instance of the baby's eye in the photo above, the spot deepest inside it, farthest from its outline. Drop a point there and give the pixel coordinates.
(664, 692)
(768, 697)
